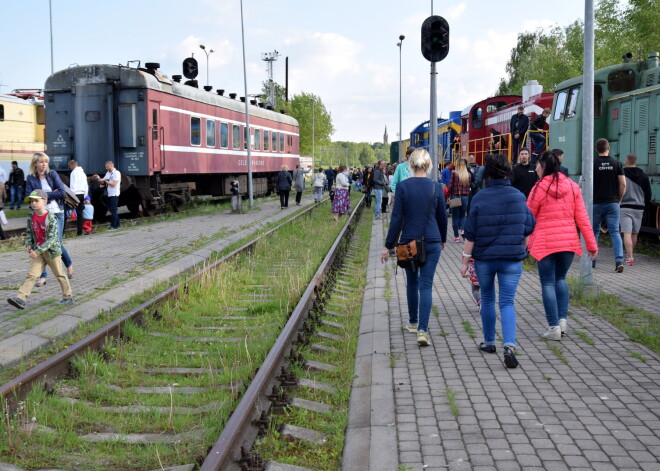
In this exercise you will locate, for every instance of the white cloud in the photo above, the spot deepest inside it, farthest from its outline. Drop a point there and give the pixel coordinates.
(456, 12)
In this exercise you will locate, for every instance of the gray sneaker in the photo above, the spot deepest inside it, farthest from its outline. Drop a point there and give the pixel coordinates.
(65, 301)
(563, 326)
(18, 303)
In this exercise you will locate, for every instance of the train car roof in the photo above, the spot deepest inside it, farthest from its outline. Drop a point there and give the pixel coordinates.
(21, 101)
(130, 77)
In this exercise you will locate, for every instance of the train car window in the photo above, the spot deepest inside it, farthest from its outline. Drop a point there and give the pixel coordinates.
(560, 106)
(195, 131)
(281, 142)
(257, 139)
(496, 105)
(571, 111)
(154, 116)
(224, 135)
(598, 101)
(2, 112)
(266, 137)
(477, 122)
(274, 141)
(245, 138)
(418, 139)
(621, 81)
(236, 137)
(41, 115)
(210, 133)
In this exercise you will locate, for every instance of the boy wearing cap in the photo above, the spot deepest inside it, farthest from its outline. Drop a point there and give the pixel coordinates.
(87, 215)
(43, 246)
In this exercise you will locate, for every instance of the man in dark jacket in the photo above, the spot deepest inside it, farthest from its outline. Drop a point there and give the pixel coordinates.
(523, 175)
(379, 186)
(330, 175)
(538, 135)
(519, 126)
(16, 182)
(635, 199)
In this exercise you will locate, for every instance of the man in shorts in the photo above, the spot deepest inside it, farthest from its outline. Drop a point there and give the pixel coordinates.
(636, 197)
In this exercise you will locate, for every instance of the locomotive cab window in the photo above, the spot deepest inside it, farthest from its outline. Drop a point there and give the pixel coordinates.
(210, 133)
(154, 116)
(257, 139)
(494, 106)
(621, 81)
(235, 137)
(572, 102)
(477, 122)
(195, 131)
(560, 106)
(598, 101)
(266, 137)
(224, 135)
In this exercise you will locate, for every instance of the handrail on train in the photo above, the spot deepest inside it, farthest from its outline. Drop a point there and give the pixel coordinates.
(482, 146)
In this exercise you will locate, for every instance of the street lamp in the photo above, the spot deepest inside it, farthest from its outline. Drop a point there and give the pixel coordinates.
(208, 53)
(399, 44)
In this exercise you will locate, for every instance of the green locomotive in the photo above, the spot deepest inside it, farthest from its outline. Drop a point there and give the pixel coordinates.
(626, 113)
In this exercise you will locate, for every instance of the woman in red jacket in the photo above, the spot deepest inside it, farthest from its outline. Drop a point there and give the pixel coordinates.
(556, 203)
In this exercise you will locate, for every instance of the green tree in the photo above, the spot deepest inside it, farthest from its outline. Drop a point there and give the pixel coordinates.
(309, 109)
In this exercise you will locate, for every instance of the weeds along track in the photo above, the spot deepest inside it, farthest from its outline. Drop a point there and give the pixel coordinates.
(155, 388)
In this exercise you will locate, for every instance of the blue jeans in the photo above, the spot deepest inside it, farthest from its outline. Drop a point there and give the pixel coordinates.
(458, 215)
(65, 255)
(379, 200)
(419, 284)
(16, 192)
(508, 274)
(538, 143)
(554, 288)
(114, 217)
(611, 213)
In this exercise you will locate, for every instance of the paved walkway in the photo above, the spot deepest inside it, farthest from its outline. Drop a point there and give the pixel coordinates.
(110, 267)
(599, 409)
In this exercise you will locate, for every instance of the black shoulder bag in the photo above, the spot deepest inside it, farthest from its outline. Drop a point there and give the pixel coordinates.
(413, 254)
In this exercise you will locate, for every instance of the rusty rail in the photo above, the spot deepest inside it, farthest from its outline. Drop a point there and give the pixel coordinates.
(238, 432)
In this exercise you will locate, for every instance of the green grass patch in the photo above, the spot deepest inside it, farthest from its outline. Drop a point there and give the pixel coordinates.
(529, 263)
(467, 327)
(640, 326)
(585, 337)
(559, 353)
(639, 356)
(451, 399)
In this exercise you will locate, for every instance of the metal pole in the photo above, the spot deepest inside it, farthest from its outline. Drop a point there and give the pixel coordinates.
(400, 44)
(433, 127)
(313, 126)
(50, 8)
(247, 115)
(586, 275)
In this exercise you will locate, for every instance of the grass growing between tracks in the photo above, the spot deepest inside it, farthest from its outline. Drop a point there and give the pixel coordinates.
(326, 456)
(222, 326)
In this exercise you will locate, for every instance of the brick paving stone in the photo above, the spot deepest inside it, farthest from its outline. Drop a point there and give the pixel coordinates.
(599, 408)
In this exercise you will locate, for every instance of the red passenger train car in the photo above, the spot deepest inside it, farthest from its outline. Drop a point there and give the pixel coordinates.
(485, 125)
(170, 140)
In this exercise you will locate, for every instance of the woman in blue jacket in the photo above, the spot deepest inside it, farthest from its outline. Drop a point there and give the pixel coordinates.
(419, 211)
(42, 178)
(284, 180)
(496, 233)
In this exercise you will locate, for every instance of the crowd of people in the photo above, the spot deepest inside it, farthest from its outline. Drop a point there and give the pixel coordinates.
(504, 214)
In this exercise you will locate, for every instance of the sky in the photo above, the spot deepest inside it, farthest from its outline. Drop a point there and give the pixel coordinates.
(343, 51)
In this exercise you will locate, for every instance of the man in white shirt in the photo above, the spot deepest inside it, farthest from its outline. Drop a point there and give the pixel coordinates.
(78, 184)
(112, 180)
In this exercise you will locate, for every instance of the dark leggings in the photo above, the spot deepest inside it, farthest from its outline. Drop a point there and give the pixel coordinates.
(298, 196)
(284, 198)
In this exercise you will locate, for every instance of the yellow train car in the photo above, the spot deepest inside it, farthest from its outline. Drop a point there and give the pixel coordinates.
(22, 127)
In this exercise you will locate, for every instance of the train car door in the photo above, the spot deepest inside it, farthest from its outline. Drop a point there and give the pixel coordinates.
(625, 121)
(157, 161)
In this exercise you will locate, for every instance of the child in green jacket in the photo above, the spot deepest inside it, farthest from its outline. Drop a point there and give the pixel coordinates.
(43, 245)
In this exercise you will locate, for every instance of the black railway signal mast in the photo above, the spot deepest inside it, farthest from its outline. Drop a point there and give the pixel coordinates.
(435, 47)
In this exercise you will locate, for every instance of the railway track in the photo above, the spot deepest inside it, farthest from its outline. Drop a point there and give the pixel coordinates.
(205, 358)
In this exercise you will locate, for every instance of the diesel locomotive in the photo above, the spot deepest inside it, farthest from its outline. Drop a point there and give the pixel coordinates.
(169, 139)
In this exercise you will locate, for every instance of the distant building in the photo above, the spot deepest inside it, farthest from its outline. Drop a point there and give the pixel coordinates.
(385, 139)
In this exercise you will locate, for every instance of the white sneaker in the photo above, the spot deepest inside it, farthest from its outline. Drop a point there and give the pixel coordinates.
(563, 326)
(553, 333)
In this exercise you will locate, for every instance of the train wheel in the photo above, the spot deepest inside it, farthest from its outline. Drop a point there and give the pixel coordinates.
(148, 209)
(134, 208)
(177, 204)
